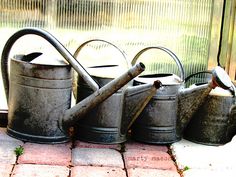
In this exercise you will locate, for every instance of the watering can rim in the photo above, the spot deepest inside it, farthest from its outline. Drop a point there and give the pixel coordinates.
(105, 71)
(163, 77)
(13, 58)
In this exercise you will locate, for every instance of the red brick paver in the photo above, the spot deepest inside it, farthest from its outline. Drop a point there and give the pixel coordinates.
(88, 171)
(5, 170)
(97, 157)
(87, 159)
(148, 159)
(7, 154)
(27, 170)
(81, 144)
(140, 146)
(7, 147)
(58, 154)
(140, 172)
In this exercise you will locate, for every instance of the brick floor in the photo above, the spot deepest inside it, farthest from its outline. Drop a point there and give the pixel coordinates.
(84, 159)
(28, 170)
(148, 159)
(81, 144)
(5, 137)
(135, 145)
(7, 154)
(97, 157)
(140, 172)
(5, 170)
(89, 171)
(58, 154)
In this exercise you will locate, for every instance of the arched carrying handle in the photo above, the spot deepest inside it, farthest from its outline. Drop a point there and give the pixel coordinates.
(77, 52)
(169, 52)
(52, 40)
(104, 41)
(197, 73)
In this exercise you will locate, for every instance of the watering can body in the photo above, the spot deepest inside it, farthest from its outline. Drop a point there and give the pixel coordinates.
(171, 109)
(108, 122)
(101, 124)
(215, 121)
(157, 122)
(39, 95)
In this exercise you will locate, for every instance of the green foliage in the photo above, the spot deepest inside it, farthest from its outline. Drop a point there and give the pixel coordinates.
(186, 168)
(19, 150)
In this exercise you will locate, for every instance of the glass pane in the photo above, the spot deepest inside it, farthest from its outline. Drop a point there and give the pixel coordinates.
(184, 26)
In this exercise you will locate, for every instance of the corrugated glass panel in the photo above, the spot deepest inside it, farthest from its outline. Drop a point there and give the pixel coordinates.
(183, 26)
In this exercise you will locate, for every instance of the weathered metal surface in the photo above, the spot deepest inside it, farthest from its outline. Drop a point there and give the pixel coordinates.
(39, 94)
(169, 112)
(109, 122)
(215, 121)
(157, 122)
(52, 40)
(39, 97)
(191, 99)
(188, 102)
(72, 115)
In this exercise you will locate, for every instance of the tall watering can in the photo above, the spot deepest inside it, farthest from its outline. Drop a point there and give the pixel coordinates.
(109, 122)
(39, 95)
(214, 123)
(170, 110)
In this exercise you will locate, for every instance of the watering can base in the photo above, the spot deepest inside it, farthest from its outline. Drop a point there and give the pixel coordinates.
(99, 135)
(205, 142)
(155, 135)
(37, 139)
(216, 137)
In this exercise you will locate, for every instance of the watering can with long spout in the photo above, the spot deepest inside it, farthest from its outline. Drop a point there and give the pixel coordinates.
(109, 122)
(214, 123)
(39, 95)
(170, 110)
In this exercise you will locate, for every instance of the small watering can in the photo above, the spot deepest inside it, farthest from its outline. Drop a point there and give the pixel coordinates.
(39, 95)
(109, 122)
(215, 121)
(170, 110)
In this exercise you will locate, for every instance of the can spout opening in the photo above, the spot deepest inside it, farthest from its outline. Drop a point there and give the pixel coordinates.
(31, 56)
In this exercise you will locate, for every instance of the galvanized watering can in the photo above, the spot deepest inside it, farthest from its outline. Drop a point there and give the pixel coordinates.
(39, 95)
(215, 121)
(109, 122)
(170, 110)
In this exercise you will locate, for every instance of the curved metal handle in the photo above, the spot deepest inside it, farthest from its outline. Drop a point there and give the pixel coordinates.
(171, 54)
(75, 76)
(100, 40)
(200, 72)
(52, 40)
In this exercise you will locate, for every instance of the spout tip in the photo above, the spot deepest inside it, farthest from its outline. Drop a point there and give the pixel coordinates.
(157, 84)
(142, 66)
(221, 78)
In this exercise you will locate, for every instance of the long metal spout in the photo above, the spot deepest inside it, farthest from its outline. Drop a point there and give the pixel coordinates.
(188, 101)
(135, 100)
(52, 40)
(78, 111)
